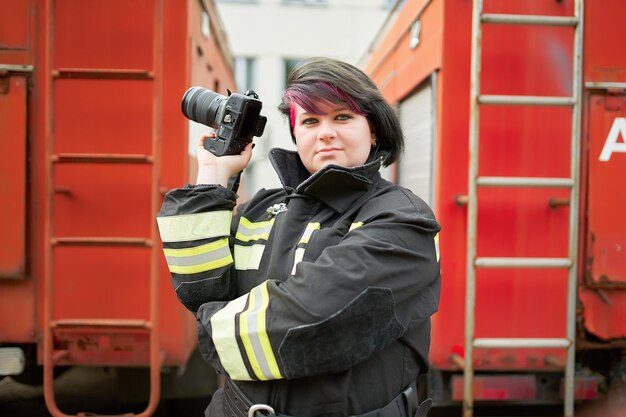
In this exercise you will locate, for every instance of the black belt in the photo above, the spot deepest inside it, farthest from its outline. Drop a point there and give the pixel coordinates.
(237, 404)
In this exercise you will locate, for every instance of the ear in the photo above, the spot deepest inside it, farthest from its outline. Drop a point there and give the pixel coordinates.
(373, 132)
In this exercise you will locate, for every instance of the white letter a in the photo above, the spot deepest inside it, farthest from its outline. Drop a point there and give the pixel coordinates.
(611, 145)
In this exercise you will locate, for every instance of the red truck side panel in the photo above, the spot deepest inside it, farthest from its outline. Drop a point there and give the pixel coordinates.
(519, 141)
(603, 291)
(13, 174)
(17, 301)
(84, 81)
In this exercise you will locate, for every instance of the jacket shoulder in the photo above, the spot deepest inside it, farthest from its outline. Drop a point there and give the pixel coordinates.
(396, 202)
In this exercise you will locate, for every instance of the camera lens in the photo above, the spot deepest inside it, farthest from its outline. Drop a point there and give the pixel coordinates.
(202, 106)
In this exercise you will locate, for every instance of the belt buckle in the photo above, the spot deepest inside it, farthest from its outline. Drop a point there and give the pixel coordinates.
(261, 407)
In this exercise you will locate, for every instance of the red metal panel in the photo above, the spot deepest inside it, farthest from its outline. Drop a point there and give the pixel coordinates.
(17, 297)
(603, 312)
(103, 116)
(13, 175)
(498, 387)
(93, 110)
(604, 57)
(178, 327)
(605, 206)
(13, 25)
(512, 222)
(105, 200)
(17, 311)
(101, 215)
(515, 141)
(103, 34)
(604, 293)
(93, 346)
(16, 34)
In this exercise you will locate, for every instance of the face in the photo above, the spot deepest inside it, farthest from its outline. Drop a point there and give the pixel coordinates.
(339, 137)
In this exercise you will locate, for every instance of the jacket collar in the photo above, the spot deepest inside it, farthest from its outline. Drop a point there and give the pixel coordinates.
(336, 186)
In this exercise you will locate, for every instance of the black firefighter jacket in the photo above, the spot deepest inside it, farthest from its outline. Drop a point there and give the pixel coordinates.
(316, 298)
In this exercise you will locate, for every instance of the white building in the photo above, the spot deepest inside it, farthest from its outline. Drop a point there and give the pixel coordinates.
(268, 37)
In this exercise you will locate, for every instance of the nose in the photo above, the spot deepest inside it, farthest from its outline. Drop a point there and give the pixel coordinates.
(326, 130)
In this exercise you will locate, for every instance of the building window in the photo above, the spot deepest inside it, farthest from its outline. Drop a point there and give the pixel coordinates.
(244, 73)
(289, 64)
(416, 167)
(206, 29)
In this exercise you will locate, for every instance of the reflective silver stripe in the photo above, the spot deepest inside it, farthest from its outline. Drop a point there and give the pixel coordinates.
(194, 226)
(198, 255)
(248, 257)
(304, 240)
(225, 339)
(437, 246)
(299, 255)
(248, 230)
(207, 266)
(253, 332)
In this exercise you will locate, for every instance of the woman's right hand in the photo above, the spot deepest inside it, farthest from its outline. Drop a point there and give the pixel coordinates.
(218, 169)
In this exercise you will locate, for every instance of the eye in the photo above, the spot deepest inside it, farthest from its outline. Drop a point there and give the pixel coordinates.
(343, 117)
(309, 121)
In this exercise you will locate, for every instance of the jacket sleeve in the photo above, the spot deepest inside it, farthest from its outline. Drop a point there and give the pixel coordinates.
(194, 224)
(358, 296)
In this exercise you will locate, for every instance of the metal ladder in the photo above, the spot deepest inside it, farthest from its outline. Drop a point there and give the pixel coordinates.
(474, 181)
(51, 355)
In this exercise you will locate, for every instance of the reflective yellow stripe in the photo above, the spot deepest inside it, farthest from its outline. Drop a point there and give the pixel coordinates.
(265, 341)
(197, 250)
(194, 226)
(248, 257)
(200, 258)
(437, 246)
(245, 337)
(355, 226)
(248, 230)
(225, 339)
(253, 333)
(255, 225)
(310, 228)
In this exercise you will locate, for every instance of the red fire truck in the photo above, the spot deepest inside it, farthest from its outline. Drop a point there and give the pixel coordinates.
(91, 136)
(515, 120)
(514, 116)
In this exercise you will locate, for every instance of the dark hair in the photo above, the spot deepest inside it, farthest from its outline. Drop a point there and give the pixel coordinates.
(329, 80)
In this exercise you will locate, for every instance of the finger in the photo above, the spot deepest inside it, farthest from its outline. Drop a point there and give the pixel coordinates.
(247, 151)
(204, 137)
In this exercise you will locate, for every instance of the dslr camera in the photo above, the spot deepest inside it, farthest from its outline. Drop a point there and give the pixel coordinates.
(236, 118)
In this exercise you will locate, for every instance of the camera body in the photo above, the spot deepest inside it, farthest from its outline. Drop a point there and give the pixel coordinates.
(236, 118)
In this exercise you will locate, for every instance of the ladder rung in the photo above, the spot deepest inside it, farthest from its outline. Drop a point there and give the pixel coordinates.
(101, 241)
(512, 100)
(523, 262)
(102, 323)
(102, 158)
(513, 343)
(520, 19)
(524, 182)
(100, 73)
(16, 68)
